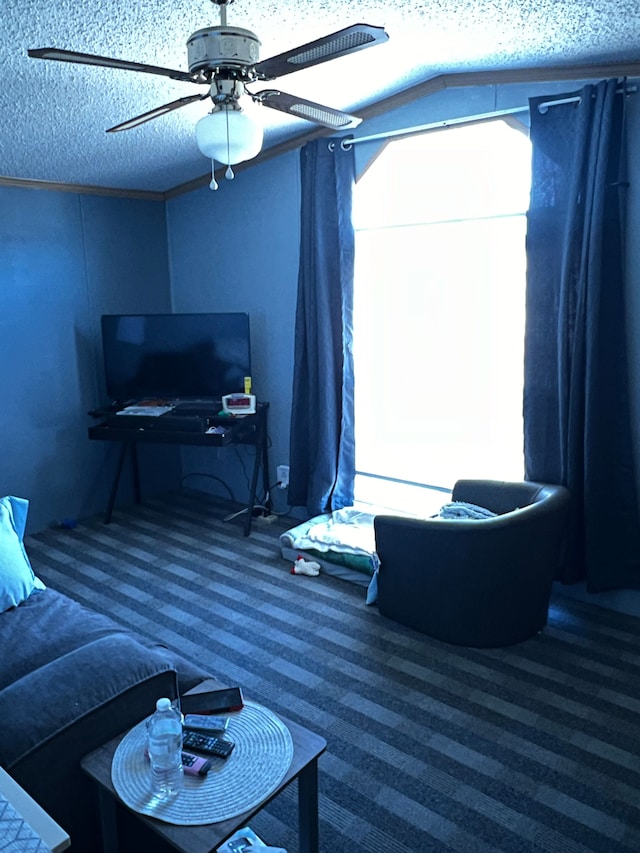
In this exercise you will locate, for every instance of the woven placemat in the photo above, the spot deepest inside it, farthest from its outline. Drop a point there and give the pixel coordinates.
(253, 771)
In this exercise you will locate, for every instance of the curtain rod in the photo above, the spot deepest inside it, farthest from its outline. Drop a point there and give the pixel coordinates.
(544, 106)
(347, 142)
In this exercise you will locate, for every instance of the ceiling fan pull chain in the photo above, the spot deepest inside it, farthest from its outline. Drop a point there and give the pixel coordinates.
(214, 184)
(229, 173)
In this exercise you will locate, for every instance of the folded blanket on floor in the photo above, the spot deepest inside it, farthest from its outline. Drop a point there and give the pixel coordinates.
(347, 530)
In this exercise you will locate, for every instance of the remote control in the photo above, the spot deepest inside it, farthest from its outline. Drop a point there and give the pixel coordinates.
(208, 744)
(205, 723)
(195, 765)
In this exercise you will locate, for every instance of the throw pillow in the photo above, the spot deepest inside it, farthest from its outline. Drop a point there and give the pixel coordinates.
(17, 580)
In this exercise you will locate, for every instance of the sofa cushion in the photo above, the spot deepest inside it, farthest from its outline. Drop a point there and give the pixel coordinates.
(67, 689)
(17, 579)
(49, 625)
(70, 680)
(51, 772)
(43, 628)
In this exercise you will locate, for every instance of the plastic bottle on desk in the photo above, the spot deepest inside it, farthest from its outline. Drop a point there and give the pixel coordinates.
(164, 731)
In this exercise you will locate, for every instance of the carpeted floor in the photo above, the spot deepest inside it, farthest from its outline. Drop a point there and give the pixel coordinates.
(430, 747)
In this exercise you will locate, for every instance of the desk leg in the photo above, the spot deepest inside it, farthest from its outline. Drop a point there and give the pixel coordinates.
(136, 472)
(252, 493)
(262, 458)
(116, 481)
(108, 821)
(308, 808)
(264, 442)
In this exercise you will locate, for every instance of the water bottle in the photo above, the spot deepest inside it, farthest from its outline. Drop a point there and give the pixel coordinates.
(164, 731)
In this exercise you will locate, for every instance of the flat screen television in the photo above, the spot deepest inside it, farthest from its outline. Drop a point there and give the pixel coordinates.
(175, 356)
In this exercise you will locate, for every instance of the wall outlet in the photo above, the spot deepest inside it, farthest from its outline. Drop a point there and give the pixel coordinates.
(282, 473)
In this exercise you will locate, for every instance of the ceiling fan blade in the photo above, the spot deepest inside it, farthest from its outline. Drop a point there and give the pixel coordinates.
(318, 113)
(158, 111)
(107, 62)
(332, 46)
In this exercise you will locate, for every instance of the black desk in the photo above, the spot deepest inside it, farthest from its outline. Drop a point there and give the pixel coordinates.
(131, 431)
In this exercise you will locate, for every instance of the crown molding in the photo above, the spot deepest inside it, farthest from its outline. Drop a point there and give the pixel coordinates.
(81, 189)
(548, 74)
(462, 79)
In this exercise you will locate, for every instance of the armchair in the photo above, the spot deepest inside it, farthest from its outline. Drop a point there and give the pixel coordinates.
(481, 582)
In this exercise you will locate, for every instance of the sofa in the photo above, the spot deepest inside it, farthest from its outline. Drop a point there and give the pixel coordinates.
(479, 574)
(70, 679)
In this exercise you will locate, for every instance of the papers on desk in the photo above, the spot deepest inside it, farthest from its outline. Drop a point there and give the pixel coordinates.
(149, 411)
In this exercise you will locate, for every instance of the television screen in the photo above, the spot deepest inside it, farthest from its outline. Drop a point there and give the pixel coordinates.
(175, 356)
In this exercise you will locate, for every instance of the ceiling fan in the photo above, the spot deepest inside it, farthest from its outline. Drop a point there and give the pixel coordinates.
(226, 59)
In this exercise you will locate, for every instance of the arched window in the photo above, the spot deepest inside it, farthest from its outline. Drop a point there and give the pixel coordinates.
(440, 224)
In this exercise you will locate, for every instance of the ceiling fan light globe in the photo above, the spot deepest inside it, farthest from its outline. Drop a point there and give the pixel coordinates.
(244, 140)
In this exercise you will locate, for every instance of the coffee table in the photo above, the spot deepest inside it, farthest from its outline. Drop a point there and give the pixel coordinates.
(205, 838)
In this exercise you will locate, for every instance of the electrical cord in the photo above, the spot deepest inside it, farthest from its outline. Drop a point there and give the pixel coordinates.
(243, 466)
(267, 500)
(244, 511)
(210, 477)
(264, 506)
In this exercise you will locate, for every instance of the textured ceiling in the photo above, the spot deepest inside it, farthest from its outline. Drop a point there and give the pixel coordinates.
(54, 114)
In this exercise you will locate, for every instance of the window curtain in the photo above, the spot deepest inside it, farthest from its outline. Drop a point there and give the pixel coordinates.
(577, 412)
(322, 451)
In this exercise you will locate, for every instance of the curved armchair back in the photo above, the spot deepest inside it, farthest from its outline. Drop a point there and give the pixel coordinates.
(475, 582)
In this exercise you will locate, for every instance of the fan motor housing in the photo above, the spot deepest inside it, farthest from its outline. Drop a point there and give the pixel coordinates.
(227, 47)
